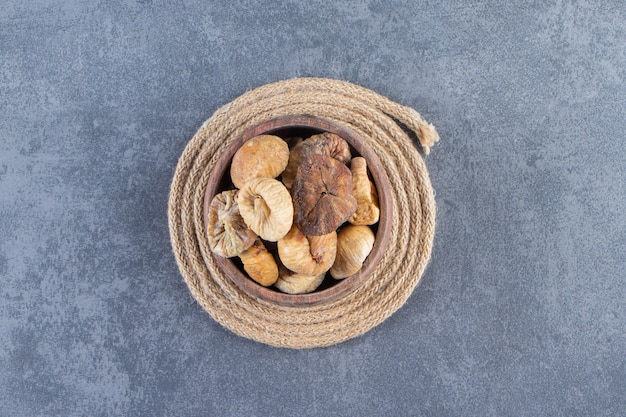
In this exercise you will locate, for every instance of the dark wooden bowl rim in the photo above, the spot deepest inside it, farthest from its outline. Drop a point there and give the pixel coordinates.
(379, 177)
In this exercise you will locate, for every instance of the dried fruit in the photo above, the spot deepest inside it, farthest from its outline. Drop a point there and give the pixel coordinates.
(331, 145)
(259, 263)
(364, 191)
(322, 195)
(266, 207)
(227, 232)
(263, 156)
(308, 255)
(327, 144)
(293, 141)
(293, 283)
(354, 244)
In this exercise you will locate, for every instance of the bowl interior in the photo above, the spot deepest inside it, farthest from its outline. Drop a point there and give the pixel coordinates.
(304, 126)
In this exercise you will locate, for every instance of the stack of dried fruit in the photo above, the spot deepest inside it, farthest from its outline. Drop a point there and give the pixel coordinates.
(319, 212)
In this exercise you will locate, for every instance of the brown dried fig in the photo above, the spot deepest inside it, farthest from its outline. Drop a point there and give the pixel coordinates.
(308, 255)
(327, 144)
(364, 191)
(259, 263)
(263, 156)
(354, 244)
(227, 232)
(331, 145)
(266, 207)
(322, 195)
(293, 283)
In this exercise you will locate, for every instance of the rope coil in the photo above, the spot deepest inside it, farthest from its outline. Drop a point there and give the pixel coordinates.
(374, 118)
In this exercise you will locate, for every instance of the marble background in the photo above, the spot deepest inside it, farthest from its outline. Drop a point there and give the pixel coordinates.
(522, 310)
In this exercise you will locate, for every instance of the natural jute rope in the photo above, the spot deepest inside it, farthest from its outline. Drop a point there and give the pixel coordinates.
(374, 118)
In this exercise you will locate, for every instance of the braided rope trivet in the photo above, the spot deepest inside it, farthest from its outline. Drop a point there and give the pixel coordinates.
(369, 115)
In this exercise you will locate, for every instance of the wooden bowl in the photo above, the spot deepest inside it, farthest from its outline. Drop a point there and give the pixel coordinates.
(304, 126)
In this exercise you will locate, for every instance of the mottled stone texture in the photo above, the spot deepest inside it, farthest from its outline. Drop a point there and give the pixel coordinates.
(522, 310)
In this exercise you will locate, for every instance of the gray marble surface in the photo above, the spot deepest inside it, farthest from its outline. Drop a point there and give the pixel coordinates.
(522, 310)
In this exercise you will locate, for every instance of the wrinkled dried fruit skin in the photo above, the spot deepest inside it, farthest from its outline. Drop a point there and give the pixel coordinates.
(292, 283)
(327, 144)
(227, 232)
(266, 207)
(331, 145)
(308, 255)
(367, 210)
(259, 263)
(263, 156)
(354, 244)
(322, 195)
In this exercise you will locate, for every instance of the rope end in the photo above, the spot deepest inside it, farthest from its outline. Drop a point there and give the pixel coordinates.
(427, 136)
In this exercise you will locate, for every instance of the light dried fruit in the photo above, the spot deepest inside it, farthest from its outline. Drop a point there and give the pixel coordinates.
(259, 263)
(263, 156)
(295, 157)
(327, 144)
(354, 244)
(227, 232)
(293, 283)
(308, 255)
(322, 195)
(266, 207)
(367, 210)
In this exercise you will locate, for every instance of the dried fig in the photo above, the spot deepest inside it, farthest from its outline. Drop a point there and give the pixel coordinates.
(354, 244)
(308, 255)
(364, 191)
(227, 232)
(259, 263)
(293, 141)
(263, 156)
(266, 207)
(327, 144)
(331, 145)
(293, 283)
(322, 195)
